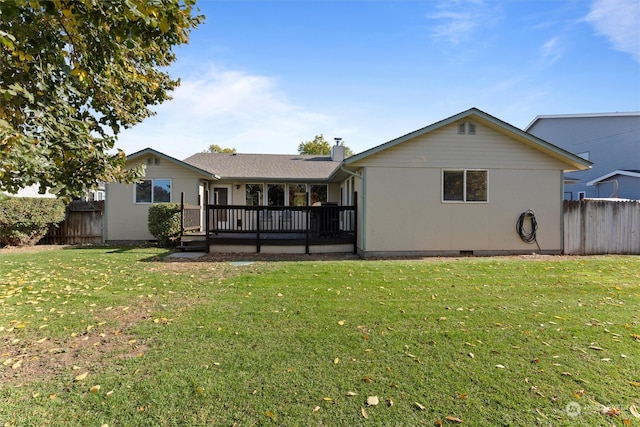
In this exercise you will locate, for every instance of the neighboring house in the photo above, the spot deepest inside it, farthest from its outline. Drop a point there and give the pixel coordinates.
(455, 187)
(611, 141)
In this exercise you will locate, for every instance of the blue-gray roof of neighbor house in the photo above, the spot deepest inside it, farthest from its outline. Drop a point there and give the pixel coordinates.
(255, 167)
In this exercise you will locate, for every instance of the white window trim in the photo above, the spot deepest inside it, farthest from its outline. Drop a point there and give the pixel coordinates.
(152, 202)
(464, 186)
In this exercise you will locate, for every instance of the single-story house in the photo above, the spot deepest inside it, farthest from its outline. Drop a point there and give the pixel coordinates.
(458, 186)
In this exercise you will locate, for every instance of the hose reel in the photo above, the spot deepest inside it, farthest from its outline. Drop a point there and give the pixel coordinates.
(527, 226)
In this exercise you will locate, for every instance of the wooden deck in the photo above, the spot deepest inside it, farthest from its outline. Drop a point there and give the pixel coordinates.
(232, 228)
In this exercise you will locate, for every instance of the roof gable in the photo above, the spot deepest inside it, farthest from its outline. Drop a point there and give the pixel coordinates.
(572, 161)
(150, 151)
(581, 116)
(619, 172)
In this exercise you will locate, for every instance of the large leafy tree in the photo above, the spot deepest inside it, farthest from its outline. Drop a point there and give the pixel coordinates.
(319, 145)
(73, 74)
(215, 148)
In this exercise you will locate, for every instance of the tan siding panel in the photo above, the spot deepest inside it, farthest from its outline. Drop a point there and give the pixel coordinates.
(404, 212)
(446, 148)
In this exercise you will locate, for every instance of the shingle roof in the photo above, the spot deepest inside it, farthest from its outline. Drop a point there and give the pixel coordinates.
(246, 167)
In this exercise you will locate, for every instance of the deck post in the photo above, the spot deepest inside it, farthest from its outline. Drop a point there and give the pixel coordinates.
(307, 234)
(182, 214)
(355, 225)
(258, 219)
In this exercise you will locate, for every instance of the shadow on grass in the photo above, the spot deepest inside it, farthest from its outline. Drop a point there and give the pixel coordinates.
(124, 249)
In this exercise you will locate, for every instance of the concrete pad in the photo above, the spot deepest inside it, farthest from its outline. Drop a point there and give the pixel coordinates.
(186, 255)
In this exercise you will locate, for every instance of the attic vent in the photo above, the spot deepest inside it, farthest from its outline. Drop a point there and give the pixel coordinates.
(472, 129)
(153, 161)
(466, 128)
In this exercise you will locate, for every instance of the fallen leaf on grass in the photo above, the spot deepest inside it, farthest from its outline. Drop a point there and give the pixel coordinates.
(438, 423)
(453, 419)
(634, 411)
(341, 323)
(635, 383)
(364, 413)
(270, 414)
(390, 402)
(351, 393)
(315, 409)
(612, 412)
(372, 400)
(95, 389)
(81, 376)
(500, 366)
(17, 364)
(327, 399)
(336, 360)
(419, 406)
(595, 347)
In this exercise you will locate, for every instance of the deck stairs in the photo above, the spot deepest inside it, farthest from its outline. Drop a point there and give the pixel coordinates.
(193, 243)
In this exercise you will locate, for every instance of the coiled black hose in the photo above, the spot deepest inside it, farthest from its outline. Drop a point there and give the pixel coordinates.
(528, 235)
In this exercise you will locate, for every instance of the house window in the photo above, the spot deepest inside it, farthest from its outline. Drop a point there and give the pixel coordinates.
(253, 194)
(297, 194)
(275, 194)
(464, 185)
(462, 128)
(152, 191)
(318, 194)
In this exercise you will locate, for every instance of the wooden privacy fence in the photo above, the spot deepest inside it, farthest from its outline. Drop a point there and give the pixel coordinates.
(82, 225)
(601, 227)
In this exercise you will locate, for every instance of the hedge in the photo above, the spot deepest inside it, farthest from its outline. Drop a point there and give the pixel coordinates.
(163, 222)
(26, 220)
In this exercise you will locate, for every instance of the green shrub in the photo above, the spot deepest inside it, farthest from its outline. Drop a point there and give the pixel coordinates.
(164, 223)
(26, 220)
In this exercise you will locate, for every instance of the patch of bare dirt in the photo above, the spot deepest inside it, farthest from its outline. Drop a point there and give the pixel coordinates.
(26, 360)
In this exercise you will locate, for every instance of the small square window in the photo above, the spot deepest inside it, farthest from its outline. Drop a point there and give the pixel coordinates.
(462, 128)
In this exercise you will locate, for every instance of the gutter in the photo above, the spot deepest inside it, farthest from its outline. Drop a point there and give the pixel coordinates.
(356, 174)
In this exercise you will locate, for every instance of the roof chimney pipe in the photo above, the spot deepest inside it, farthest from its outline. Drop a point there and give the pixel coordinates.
(337, 151)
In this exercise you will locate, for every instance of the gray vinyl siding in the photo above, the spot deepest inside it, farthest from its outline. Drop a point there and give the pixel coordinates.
(613, 142)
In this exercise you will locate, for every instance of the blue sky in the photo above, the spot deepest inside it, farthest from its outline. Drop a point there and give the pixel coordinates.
(262, 76)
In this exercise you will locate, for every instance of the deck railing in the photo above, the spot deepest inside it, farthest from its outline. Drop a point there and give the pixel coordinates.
(190, 217)
(281, 225)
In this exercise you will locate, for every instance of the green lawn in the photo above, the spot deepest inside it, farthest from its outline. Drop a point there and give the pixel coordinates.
(118, 336)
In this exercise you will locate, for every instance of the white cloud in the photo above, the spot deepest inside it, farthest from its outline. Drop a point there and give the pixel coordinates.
(228, 108)
(618, 20)
(460, 19)
(551, 51)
